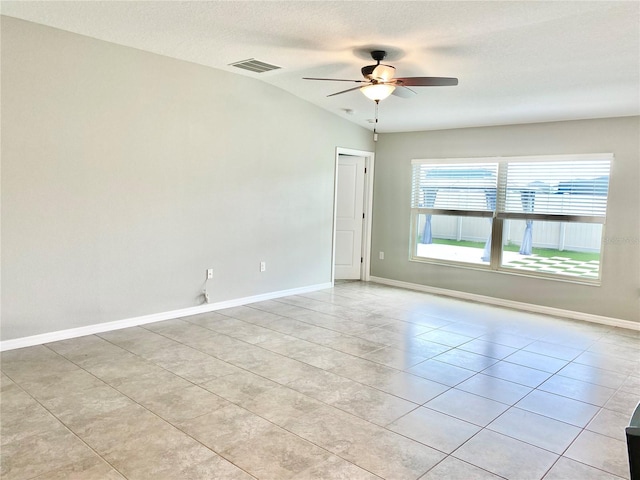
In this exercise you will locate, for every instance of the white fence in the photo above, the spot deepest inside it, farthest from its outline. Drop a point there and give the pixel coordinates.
(580, 237)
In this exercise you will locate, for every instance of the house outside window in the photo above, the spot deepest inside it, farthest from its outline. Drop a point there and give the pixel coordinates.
(536, 215)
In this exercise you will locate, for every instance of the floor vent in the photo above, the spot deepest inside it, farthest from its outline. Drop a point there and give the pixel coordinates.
(254, 65)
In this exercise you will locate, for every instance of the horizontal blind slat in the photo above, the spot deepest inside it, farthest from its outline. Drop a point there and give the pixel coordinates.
(556, 188)
(470, 187)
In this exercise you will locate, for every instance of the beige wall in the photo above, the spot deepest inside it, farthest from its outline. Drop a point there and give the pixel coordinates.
(619, 294)
(125, 175)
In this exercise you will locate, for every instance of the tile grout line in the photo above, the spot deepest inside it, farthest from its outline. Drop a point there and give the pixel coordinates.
(136, 402)
(65, 426)
(360, 356)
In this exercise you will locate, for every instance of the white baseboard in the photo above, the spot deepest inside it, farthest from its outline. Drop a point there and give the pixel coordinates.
(529, 307)
(155, 317)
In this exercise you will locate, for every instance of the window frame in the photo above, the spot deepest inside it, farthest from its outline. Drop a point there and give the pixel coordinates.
(499, 217)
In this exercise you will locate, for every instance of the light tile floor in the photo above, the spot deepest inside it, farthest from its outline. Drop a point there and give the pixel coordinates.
(361, 381)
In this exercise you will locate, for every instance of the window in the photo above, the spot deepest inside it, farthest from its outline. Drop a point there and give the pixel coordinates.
(532, 215)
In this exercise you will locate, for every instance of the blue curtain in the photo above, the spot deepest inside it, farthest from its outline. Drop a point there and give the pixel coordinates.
(527, 239)
(427, 237)
(527, 197)
(429, 201)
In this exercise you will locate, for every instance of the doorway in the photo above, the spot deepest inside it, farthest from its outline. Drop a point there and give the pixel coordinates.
(353, 197)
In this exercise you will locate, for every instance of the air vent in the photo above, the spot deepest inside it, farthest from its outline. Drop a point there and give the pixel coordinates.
(254, 65)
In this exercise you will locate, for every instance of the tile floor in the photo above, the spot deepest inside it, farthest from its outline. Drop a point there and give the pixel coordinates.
(361, 381)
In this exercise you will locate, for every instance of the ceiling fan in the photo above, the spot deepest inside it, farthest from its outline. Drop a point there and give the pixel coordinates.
(379, 82)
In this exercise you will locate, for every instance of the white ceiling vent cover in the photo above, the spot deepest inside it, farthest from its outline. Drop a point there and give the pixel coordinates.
(254, 65)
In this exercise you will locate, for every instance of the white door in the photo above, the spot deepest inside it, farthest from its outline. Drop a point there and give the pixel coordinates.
(349, 216)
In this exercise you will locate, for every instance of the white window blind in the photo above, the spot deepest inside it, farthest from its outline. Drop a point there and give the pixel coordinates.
(577, 188)
(454, 187)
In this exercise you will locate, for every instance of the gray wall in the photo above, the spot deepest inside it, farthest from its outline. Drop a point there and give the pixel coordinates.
(126, 174)
(619, 294)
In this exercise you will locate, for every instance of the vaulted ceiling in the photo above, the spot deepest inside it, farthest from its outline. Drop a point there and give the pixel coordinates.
(517, 61)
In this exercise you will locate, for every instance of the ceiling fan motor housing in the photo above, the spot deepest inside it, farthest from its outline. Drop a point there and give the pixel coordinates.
(367, 71)
(378, 56)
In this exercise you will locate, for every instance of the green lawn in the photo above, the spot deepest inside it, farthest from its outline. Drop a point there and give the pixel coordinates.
(541, 252)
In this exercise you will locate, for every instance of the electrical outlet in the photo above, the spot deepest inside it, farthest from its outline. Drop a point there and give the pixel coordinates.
(381, 255)
(209, 273)
(263, 266)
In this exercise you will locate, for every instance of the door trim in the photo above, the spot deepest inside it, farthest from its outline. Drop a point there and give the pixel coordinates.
(365, 268)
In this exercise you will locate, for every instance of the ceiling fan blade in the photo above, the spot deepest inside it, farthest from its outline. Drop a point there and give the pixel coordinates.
(335, 80)
(426, 81)
(344, 91)
(403, 92)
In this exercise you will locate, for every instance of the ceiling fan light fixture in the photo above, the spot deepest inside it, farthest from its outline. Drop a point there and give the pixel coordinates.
(377, 91)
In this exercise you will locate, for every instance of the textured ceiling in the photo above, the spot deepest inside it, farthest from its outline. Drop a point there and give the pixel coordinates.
(517, 61)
